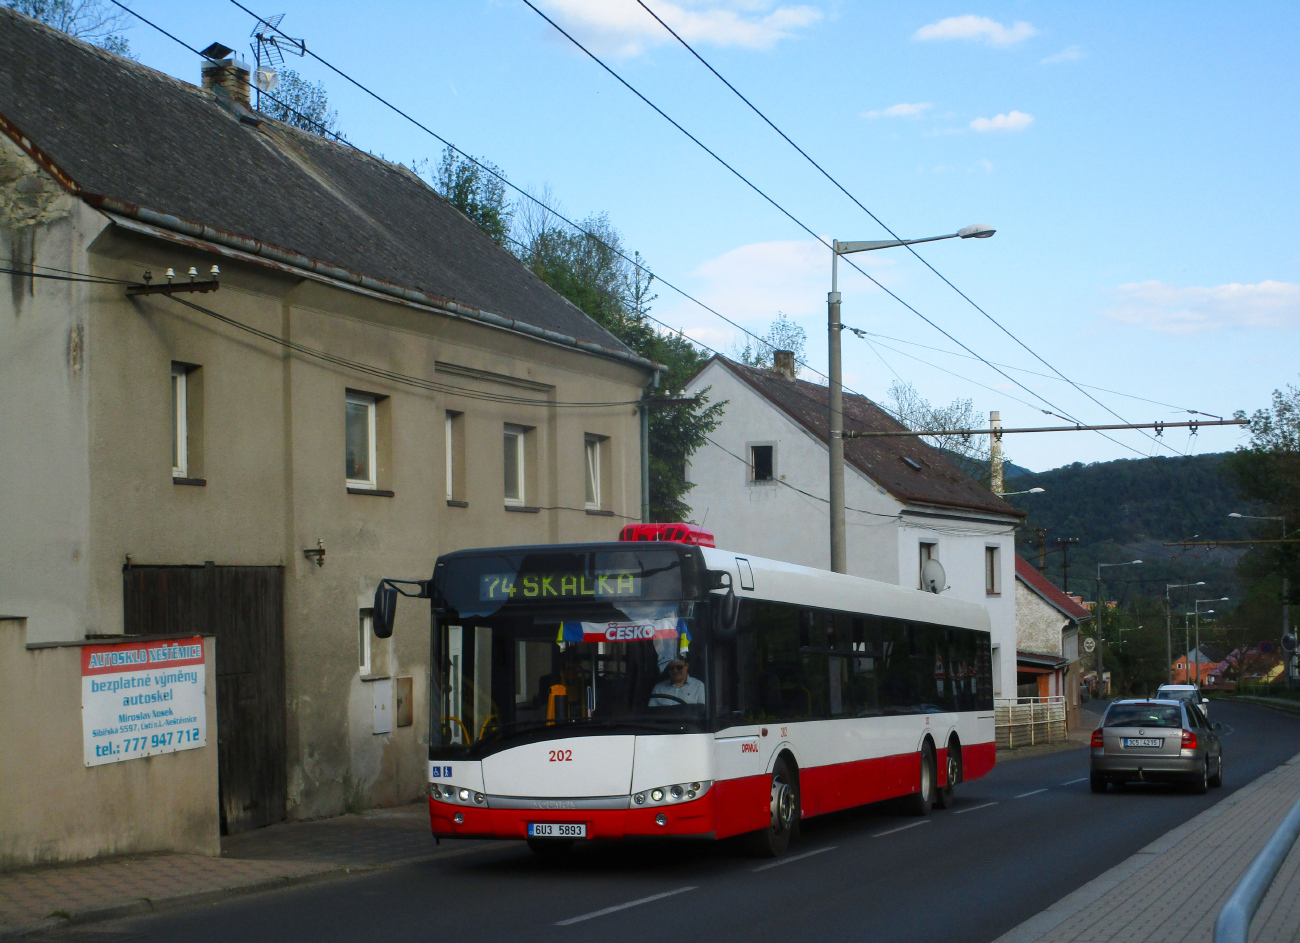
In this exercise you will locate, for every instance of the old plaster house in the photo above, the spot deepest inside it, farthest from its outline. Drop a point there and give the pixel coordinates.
(372, 382)
(1047, 639)
(760, 486)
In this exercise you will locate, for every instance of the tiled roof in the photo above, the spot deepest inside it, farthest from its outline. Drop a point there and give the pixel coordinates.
(126, 132)
(906, 467)
(1042, 586)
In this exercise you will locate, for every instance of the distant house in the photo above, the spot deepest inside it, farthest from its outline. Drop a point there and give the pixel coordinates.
(1211, 663)
(760, 485)
(1047, 639)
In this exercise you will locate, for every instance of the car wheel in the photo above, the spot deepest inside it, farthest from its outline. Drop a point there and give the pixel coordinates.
(921, 801)
(1098, 782)
(771, 842)
(1201, 784)
(944, 797)
(1217, 779)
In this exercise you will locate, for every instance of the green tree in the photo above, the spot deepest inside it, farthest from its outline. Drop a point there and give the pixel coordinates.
(474, 191)
(784, 334)
(92, 20)
(301, 104)
(591, 272)
(970, 453)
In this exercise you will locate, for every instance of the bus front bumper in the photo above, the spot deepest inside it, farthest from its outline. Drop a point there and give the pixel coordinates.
(693, 819)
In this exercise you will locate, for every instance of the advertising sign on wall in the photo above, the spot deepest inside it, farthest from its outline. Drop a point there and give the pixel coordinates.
(143, 698)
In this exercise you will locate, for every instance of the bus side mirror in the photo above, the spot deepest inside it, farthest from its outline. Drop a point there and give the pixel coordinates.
(385, 610)
(726, 606)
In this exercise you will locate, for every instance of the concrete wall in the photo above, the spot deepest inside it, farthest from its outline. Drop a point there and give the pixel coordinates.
(85, 388)
(53, 807)
(883, 536)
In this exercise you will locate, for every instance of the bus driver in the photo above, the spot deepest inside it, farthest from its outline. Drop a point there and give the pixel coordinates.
(679, 686)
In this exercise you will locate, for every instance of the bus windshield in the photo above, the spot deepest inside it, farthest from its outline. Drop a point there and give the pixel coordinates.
(555, 644)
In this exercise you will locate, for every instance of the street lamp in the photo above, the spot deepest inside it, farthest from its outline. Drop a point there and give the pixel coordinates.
(1100, 679)
(1197, 613)
(839, 553)
(1007, 494)
(1286, 605)
(1169, 638)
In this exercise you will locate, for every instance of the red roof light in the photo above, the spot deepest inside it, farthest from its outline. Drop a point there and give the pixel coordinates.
(676, 533)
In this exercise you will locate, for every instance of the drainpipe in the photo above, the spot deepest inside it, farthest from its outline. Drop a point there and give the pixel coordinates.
(645, 449)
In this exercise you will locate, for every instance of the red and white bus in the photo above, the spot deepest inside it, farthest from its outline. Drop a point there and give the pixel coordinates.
(665, 688)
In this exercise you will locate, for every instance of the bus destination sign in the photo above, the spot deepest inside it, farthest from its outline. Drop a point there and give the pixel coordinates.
(603, 584)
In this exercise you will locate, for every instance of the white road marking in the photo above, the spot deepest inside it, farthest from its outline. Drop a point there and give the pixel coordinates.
(806, 854)
(618, 907)
(901, 828)
(974, 808)
(1032, 792)
(1083, 779)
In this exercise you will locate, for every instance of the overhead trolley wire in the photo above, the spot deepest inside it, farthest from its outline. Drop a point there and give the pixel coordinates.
(876, 218)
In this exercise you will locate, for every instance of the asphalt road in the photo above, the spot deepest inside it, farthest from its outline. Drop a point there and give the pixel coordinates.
(1017, 841)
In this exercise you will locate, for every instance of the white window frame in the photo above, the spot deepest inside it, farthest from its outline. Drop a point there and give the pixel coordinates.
(364, 652)
(180, 427)
(361, 399)
(451, 464)
(591, 460)
(518, 432)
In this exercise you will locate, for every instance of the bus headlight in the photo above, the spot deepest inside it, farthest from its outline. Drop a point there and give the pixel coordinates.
(657, 795)
(464, 795)
(673, 793)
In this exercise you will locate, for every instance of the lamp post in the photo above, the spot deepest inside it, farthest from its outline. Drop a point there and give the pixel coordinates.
(1286, 605)
(1169, 637)
(1101, 680)
(1197, 613)
(839, 553)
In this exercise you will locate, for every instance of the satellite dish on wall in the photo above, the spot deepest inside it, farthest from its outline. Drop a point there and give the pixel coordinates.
(266, 79)
(933, 577)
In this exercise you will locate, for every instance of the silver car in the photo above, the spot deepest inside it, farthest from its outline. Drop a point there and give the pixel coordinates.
(1156, 741)
(1183, 692)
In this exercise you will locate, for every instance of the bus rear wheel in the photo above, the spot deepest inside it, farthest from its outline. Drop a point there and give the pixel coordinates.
(944, 796)
(921, 801)
(771, 842)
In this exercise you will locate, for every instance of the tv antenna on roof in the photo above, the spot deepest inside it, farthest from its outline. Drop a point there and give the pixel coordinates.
(269, 47)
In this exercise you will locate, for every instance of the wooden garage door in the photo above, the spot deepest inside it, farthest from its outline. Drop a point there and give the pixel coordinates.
(243, 606)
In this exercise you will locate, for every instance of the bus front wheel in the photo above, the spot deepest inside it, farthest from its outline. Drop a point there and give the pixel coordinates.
(771, 842)
(921, 801)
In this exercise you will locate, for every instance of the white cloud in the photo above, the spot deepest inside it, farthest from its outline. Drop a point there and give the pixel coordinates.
(1012, 121)
(1068, 54)
(622, 27)
(987, 165)
(901, 110)
(981, 28)
(1161, 307)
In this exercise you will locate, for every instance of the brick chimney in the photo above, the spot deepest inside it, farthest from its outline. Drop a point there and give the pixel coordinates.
(783, 363)
(228, 75)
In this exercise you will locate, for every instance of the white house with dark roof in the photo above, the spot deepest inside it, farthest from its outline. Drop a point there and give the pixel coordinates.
(760, 485)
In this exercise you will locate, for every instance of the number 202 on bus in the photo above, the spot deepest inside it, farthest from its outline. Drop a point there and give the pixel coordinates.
(561, 756)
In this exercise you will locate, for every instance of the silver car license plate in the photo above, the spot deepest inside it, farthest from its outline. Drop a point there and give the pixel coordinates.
(1142, 742)
(557, 830)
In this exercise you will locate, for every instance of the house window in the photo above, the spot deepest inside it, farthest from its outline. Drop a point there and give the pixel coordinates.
(180, 426)
(359, 438)
(992, 571)
(928, 553)
(762, 460)
(513, 464)
(591, 452)
(365, 634)
(455, 448)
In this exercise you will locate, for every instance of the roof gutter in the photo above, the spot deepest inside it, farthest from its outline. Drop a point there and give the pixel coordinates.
(334, 273)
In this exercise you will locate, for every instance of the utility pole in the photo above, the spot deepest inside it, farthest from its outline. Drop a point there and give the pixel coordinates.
(835, 395)
(1065, 543)
(995, 451)
(1042, 550)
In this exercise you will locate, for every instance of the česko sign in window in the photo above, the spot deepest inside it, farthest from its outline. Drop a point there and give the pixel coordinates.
(142, 698)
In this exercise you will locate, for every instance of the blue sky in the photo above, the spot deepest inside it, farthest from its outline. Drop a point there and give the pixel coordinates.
(1138, 161)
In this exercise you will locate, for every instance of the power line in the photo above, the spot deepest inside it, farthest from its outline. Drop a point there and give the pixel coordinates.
(874, 217)
(794, 219)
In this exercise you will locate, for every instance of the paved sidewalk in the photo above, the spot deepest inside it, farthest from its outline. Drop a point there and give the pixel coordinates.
(55, 897)
(1172, 890)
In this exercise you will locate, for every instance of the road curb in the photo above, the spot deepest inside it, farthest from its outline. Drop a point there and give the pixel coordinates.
(1039, 925)
(146, 905)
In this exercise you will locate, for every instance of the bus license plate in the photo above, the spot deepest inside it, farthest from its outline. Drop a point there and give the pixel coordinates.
(557, 830)
(1148, 742)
